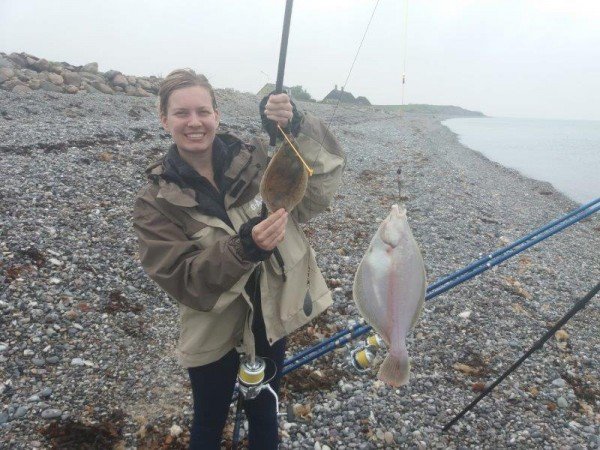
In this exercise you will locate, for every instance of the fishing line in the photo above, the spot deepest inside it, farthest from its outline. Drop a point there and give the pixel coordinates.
(345, 82)
(405, 41)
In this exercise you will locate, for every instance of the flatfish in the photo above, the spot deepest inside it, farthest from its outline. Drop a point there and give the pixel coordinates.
(389, 291)
(284, 182)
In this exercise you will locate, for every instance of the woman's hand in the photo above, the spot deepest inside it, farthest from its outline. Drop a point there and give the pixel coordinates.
(271, 231)
(279, 109)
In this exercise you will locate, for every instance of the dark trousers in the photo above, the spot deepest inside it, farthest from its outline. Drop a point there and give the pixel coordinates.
(212, 389)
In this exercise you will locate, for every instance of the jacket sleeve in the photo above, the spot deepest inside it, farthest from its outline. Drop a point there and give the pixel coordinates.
(322, 152)
(193, 275)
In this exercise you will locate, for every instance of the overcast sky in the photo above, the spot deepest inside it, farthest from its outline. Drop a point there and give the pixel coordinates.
(516, 58)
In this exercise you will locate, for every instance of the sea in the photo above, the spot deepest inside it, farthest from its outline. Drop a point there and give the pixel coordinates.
(565, 153)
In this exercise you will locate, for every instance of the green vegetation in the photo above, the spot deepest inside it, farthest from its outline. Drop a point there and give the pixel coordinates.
(446, 110)
(299, 93)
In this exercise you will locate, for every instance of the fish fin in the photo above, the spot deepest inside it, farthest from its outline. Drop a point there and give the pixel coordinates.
(394, 370)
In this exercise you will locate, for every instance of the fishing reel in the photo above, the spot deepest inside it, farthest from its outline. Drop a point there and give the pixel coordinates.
(361, 358)
(251, 379)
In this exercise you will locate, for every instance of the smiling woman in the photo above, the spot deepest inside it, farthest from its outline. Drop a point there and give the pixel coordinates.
(204, 241)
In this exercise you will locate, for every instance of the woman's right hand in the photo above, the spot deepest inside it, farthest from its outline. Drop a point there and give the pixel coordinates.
(271, 231)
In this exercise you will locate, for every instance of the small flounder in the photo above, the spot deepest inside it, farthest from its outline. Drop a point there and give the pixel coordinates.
(389, 291)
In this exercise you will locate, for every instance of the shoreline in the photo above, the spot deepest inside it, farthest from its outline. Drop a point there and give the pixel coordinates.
(523, 166)
(80, 318)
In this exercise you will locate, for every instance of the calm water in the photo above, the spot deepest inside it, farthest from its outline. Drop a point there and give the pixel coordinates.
(565, 153)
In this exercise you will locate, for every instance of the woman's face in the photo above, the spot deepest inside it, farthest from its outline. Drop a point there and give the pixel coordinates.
(191, 119)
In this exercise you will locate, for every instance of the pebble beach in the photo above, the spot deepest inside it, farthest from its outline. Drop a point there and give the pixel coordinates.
(87, 340)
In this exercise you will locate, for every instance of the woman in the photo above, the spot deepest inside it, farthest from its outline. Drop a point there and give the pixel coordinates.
(203, 241)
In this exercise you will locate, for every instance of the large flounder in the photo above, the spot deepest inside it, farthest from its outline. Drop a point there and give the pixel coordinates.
(389, 291)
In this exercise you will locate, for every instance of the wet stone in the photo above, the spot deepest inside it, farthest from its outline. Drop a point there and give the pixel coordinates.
(51, 413)
(46, 392)
(20, 412)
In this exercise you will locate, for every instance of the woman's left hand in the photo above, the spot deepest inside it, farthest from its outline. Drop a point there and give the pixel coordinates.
(279, 109)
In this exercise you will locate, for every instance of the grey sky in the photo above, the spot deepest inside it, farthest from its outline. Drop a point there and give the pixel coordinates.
(518, 58)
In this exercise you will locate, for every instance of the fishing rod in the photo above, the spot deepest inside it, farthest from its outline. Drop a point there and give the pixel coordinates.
(453, 280)
(443, 280)
(579, 305)
(249, 381)
(285, 34)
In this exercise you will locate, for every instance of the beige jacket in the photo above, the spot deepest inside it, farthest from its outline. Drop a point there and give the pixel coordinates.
(198, 259)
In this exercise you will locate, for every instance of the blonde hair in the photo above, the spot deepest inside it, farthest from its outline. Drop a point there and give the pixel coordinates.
(179, 79)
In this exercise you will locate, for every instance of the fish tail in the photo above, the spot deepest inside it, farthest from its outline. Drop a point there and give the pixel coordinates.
(395, 370)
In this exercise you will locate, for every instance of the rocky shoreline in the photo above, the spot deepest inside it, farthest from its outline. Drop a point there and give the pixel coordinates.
(87, 340)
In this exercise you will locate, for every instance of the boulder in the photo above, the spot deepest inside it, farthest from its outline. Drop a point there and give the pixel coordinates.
(18, 59)
(102, 87)
(34, 84)
(55, 68)
(139, 92)
(72, 78)
(144, 84)
(48, 86)
(70, 89)
(91, 67)
(6, 63)
(120, 80)
(56, 79)
(92, 77)
(88, 88)
(131, 79)
(130, 90)
(111, 74)
(20, 89)
(40, 65)
(119, 89)
(26, 74)
(10, 84)
(6, 73)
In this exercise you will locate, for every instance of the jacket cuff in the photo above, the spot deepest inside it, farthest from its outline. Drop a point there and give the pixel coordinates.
(249, 250)
(270, 126)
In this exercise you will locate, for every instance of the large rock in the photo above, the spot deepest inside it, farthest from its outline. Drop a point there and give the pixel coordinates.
(48, 86)
(131, 79)
(111, 74)
(55, 68)
(71, 89)
(144, 84)
(139, 92)
(72, 78)
(92, 77)
(102, 87)
(20, 89)
(56, 79)
(89, 88)
(6, 73)
(91, 67)
(6, 63)
(34, 83)
(120, 80)
(18, 59)
(26, 74)
(10, 84)
(40, 65)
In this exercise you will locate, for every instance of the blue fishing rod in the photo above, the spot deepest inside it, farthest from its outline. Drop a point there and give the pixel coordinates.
(450, 281)
(443, 280)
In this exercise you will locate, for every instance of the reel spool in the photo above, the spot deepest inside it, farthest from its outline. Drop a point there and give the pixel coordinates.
(361, 358)
(375, 341)
(250, 377)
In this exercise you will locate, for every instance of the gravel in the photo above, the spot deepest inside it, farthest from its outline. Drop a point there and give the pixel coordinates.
(87, 340)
